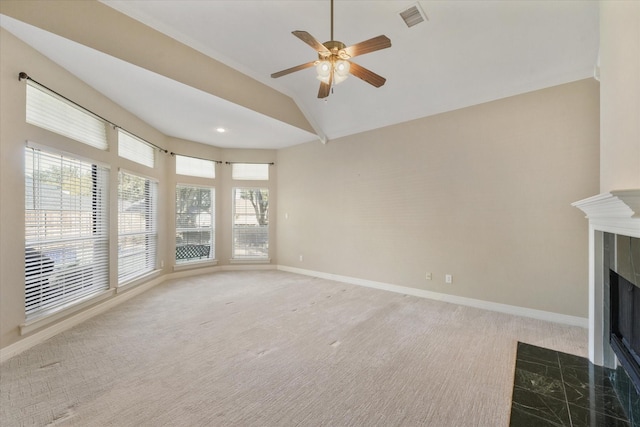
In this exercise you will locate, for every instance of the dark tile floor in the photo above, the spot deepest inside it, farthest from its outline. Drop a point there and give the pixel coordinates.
(558, 389)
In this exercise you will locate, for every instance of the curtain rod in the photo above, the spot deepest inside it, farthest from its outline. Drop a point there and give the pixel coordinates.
(250, 163)
(25, 76)
(193, 157)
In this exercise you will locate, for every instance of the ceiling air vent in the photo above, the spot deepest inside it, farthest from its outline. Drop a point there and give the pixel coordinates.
(413, 15)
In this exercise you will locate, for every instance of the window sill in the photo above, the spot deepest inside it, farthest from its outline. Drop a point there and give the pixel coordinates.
(195, 264)
(250, 261)
(58, 313)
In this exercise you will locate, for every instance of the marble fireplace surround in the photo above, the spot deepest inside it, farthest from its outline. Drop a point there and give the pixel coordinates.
(616, 212)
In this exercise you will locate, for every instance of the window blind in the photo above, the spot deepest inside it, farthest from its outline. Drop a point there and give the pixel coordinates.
(251, 223)
(49, 111)
(135, 149)
(195, 223)
(250, 171)
(66, 231)
(137, 226)
(192, 166)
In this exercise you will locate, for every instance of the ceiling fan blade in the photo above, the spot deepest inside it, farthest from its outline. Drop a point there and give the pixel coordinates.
(323, 92)
(366, 75)
(325, 88)
(292, 69)
(367, 46)
(311, 41)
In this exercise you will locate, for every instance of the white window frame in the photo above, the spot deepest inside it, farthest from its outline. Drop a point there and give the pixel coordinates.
(137, 228)
(250, 242)
(200, 251)
(66, 231)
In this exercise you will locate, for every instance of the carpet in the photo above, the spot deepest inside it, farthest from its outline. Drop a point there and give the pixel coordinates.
(270, 348)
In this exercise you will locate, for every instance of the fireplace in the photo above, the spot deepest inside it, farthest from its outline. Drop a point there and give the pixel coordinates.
(614, 245)
(624, 336)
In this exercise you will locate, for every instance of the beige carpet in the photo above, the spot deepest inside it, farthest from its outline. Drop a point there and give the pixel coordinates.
(271, 348)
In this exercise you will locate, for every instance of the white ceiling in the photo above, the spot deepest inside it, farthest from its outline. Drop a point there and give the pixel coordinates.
(468, 52)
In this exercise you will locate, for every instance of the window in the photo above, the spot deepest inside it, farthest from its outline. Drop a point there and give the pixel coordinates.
(66, 231)
(250, 171)
(195, 223)
(195, 167)
(250, 223)
(133, 148)
(137, 228)
(56, 114)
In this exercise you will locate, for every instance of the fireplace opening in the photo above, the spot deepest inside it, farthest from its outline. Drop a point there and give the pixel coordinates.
(624, 336)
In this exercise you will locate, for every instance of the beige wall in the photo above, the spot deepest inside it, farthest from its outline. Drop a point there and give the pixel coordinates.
(14, 131)
(481, 193)
(620, 95)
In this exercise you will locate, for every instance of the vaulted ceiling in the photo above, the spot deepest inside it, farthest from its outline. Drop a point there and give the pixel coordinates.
(465, 53)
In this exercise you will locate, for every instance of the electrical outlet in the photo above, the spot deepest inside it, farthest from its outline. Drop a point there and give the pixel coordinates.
(301, 258)
(429, 276)
(448, 278)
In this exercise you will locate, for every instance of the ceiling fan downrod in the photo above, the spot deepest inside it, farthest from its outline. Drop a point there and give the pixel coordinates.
(331, 20)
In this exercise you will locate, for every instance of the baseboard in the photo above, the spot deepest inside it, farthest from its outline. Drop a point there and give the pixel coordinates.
(193, 272)
(213, 269)
(247, 267)
(454, 299)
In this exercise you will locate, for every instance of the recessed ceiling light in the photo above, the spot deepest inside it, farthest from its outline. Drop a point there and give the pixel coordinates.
(221, 130)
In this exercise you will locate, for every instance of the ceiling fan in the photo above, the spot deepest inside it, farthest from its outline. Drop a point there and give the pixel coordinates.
(333, 64)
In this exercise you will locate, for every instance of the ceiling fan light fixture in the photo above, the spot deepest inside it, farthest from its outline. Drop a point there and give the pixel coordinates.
(323, 70)
(341, 71)
(338, 79)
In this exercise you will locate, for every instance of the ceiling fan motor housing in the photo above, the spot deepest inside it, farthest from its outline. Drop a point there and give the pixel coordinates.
(334, 47)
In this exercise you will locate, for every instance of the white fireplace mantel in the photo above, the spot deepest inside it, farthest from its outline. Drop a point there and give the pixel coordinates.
(616, 212)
